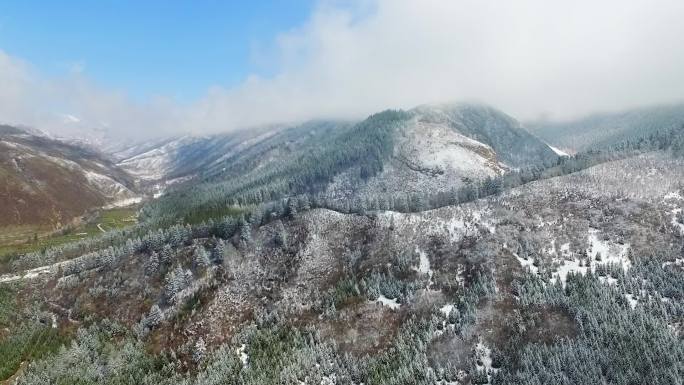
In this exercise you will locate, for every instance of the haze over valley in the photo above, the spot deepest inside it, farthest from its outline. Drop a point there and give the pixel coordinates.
(338, 193)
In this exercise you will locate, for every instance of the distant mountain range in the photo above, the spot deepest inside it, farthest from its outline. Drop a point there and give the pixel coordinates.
(434, 148)
(445, 244)
(604, 130)
(49, 182)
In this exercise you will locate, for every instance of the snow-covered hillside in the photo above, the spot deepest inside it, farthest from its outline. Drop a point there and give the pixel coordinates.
(47, 181)
(153, 164)
(160, 161)
(443, 147)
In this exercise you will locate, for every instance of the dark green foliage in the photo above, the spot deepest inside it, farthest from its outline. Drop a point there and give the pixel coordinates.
(28, 342)
(96, 358)
(23, 338)
(307, 169)
(617, 344)
(344, 290)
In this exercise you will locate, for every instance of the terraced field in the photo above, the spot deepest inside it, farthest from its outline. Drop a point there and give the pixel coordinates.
(16, 240)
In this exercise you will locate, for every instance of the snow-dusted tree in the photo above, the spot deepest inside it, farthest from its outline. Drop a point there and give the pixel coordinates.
(201, 257)
(245, 232)
(177, 280)
(199, 350)
(166, 254)
(257, 216)
(152, 264)
(292, 207)
(305, 202)
(154, 317)
(280, 234)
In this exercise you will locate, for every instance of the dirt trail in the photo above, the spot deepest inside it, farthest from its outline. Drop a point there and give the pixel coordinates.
(16, 374)
(32, 273)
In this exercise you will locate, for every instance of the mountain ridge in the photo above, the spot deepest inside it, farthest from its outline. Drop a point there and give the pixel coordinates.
(49, 182)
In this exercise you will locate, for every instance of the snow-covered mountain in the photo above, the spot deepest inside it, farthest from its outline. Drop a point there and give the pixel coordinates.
(435, 147)
(160, 161)
(46, 181)
(153, 162)
(440, 245)
(438, 149)
(441, 147)
(607, 129)
(497, 290)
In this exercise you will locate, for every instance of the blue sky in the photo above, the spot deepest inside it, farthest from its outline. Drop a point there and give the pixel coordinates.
(153, 67)
(148, 48)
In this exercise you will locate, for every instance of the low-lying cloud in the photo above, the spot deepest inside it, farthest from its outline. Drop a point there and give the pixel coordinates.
(528, 58)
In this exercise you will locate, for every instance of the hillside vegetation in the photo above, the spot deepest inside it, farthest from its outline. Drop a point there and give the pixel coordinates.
(441, 245)
(45, 182)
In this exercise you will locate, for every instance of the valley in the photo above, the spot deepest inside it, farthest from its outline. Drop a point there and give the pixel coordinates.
(444, 244)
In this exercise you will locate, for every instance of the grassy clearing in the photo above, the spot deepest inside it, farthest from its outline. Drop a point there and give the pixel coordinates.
(24, 239)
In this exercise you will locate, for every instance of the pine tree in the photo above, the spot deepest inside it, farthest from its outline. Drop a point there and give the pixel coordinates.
(154, 317)
(152, 264)
(199, 350)
(292, 207)
(280, 234)
(201, 257)
(245, 233)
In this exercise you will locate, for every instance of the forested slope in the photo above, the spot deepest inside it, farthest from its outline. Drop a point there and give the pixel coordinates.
(605, 130)
(567, 270)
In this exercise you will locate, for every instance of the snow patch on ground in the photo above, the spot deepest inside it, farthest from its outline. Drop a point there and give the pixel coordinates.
(123, 203)
(438, 146)
(677, 262)
(483, 359)
(674, 195)
(424, 266)
(32, 273)
(446, 309)
(391, 303)
(527, 263)
(106, 184)
(574, 266)
(631, 300)
(610, 254)
(608, 280)
(242, 354)
(558, 151)
(565, 248)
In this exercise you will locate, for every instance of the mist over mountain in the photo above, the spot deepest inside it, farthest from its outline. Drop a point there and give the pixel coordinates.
(371, 192)
(347, 61)
(604, 130)
(446, 239)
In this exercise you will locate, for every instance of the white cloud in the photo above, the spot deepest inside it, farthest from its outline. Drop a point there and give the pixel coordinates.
(526, 57)
(73, 106)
